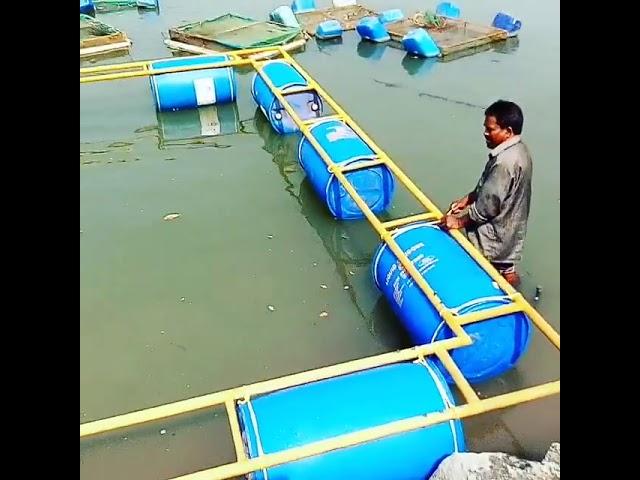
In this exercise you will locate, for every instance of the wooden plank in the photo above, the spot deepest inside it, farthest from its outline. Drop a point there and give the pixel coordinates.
(103, 40)
(185, 47)
(111, 47)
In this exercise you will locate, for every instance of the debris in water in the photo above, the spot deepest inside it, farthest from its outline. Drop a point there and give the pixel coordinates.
(351, 272)
(346, 287)
(269, 236)
(172, 216)
(323, 286)
(271, 308)
(163, 431)
(161, 332)
(538, 292)
(315, 264)
(125, 438)
(324, 314)
(182, 299)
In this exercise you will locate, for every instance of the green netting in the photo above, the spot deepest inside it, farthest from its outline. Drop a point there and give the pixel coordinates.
(90, 28)
(238, 32)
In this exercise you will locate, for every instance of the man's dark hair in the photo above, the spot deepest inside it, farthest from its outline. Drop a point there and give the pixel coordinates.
(507, 114)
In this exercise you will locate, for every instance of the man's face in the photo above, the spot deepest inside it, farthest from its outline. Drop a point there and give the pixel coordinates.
(494, 135)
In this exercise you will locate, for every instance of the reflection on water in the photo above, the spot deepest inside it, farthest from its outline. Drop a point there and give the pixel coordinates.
(175, 128)
(371, 50)
(418, 66)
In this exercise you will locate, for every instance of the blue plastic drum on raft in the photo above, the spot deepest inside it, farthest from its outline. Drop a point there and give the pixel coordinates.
(372, 29)
(285, 16)
(195, 88)
(87, 7)
(284, 76)
(321, 410)
(464, 287)
(303, 6)
(375, 184)
(328, 29)
(504, 21)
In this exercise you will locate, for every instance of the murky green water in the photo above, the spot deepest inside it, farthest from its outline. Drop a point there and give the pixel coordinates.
(175, 309)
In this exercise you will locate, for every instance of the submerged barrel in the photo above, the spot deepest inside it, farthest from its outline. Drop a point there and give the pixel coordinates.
(375, 184)
(195, 88)
(464, 287)
(321, 410)
(284, 77)
(208, 121)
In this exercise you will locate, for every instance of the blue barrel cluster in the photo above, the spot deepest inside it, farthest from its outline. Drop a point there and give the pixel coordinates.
(193, 104)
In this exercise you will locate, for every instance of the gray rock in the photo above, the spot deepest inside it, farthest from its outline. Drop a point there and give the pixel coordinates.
(553, 455)
(498, 466)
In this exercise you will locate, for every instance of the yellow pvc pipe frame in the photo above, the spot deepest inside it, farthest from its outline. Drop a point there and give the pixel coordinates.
(228, 398)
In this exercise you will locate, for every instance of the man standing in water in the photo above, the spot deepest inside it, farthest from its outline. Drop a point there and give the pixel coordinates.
(496, 212)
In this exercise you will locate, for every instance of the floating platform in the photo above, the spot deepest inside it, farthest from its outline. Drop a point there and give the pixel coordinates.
(234, 32)
(454, 36)
(97, 38)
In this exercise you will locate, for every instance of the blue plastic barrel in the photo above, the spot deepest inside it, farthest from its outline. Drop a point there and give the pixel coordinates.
(418, 42)
(321, 410)
(184, 90)
(303, 6)
(285, 16)
(375, 184)
(285, 77)
(87, 7)
(328, 29)
(448, 10)
(207, 121)
(372, 29)
(390, 16)
(507, 22)
(462, 285)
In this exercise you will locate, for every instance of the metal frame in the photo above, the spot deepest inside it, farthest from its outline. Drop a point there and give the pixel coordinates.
(473, 406)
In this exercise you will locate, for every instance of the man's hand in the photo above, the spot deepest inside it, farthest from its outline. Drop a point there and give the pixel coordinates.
(451, 222)
(458, 205)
